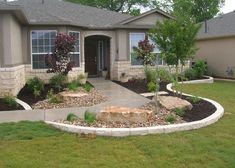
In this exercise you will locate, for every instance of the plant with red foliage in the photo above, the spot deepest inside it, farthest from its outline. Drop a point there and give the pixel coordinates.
(144, 51)
(60, 61)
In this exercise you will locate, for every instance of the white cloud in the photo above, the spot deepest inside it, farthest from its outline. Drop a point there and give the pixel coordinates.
(229, 6)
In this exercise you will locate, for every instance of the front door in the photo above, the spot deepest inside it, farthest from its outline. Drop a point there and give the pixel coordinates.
(91, 57)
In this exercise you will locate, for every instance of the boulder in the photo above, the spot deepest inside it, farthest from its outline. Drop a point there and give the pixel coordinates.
(124, 115)
(170, 103)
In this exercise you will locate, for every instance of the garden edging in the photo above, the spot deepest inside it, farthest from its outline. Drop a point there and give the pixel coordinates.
(121, 132)
(23, 104)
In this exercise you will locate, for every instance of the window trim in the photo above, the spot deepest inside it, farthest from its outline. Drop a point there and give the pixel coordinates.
(73, 31)
(31, 46)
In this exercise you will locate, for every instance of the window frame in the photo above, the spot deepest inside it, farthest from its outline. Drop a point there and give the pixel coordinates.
(31, 46)
(130, 46)
(74, 31)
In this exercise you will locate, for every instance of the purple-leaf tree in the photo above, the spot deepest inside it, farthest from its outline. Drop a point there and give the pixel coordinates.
(59, 61)
(144, 51)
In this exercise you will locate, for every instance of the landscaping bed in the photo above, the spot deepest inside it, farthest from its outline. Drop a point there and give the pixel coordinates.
(7, 105)
(90, 97)
(201, 109)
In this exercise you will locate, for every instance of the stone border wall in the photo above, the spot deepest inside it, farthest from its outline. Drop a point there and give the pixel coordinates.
(122, 132)
(13, 79)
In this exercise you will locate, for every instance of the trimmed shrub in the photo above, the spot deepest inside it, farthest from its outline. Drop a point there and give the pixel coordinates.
(89, 117)
(87, 87)
(10, 101)
(200, 68)
(58, 81)
(36, 86)
(71, 117)
(194, 99)
(190, 74)
(179, 111)
(152, 87)
(170, 119)
(54, 98)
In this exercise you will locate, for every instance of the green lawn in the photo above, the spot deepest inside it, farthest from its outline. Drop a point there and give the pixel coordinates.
(32, 145)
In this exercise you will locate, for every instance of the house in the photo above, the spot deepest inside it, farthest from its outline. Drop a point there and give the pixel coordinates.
(105, 39)
(216, 44)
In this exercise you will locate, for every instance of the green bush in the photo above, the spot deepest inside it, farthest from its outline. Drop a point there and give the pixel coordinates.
(87, 87)
(73, 86)
(10, 101)
(58, 81)
(164, 75)
(170, 119)
(200, 68)
(179, 111)
(151, 74)
(54, 98)
(152, 87)
(194, 99)
(36, 86)
(89, 117)
(71, 117)
(190, 74)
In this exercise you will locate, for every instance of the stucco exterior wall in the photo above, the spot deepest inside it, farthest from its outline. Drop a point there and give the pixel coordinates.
(148, 20)
(219, 54)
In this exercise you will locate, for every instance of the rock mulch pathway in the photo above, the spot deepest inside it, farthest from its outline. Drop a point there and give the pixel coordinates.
(89, 99)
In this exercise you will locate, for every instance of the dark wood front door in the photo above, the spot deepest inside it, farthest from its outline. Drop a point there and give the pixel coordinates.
(91, 57)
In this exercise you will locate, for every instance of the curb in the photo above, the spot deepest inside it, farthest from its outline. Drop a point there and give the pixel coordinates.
(122, 132)
(23, 104)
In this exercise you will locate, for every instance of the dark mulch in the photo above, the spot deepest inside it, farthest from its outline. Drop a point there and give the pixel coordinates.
(140, 85)
(27, 96)
(6, 107)
(199, 111)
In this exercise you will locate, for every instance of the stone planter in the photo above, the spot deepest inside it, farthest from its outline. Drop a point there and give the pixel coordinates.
(124, 79)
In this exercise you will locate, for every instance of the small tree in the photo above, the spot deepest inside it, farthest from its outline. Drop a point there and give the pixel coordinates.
(60, 62)
(144, 51)
(176, 40)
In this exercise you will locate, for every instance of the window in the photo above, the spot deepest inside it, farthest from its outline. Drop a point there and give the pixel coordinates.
(134, 40)
(43, 42)
(76, 54)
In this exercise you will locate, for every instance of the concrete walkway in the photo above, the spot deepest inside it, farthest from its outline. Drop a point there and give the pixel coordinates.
(117, 96)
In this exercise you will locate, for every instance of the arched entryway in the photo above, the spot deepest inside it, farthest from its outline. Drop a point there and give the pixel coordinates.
(97, 54)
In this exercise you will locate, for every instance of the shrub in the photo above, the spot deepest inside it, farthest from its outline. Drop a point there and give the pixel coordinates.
(54, 98)
(81, 76)
(194, 99)
(73, 86)
(200, 68)
(36, 86)
(151, 74)
(170, 118)
(10, 101)
(71, 117)
(164, 75)
(58, 81)
(190, 74)
(152, 87)
(87, 87)
(89, 117)
(179, 111)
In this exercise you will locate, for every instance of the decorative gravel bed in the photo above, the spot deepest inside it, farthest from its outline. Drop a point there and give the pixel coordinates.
(92, 98)
(157, 120)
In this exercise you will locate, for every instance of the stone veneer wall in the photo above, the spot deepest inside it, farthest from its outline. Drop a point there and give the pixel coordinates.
(120, 67)
(12, 80)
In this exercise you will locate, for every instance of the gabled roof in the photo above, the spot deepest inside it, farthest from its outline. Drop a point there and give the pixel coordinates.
(58, 12)
(221, 26)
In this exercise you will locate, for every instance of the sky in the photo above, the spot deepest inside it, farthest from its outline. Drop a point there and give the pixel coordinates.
(229, 6)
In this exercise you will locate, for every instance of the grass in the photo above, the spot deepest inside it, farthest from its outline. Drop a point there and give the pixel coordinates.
(28, 144)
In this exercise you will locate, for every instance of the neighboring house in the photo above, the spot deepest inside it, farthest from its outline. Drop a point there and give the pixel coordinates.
(105, 39)
(216, 43)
